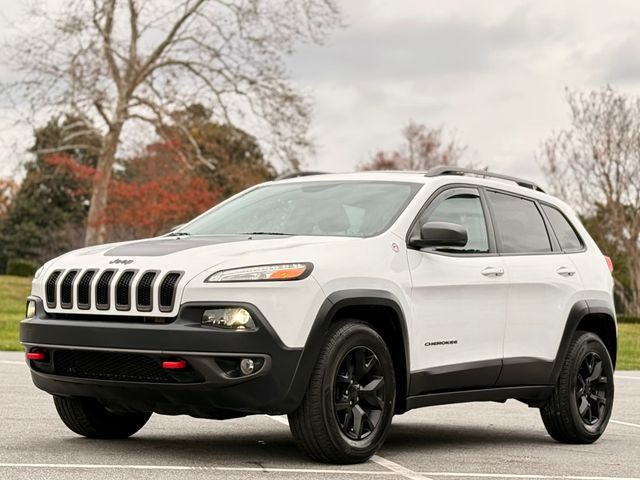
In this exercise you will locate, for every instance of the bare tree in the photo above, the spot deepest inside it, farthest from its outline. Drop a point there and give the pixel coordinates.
(124, 63)
(595, 165)
(423, 148)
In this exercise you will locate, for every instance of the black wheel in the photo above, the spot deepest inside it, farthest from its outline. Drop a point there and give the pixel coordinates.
(580, 406)
(349, 404)
(87, 417)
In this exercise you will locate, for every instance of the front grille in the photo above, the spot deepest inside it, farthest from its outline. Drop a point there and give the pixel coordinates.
(84, 290)
(123, 290)
(66, 289)
(103, 290)
(144, 292)
(111, 289)
(168, 291)
(50, 287)
(124, 367)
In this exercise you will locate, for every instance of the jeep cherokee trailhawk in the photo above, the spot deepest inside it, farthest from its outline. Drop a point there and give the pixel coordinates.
(339, 300)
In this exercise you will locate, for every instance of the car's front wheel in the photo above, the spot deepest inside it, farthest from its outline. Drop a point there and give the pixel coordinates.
(349, 404)
(580, 405)
(87, 417)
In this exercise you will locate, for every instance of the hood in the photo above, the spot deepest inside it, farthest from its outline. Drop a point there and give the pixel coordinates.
(148, 277)
(192, 253)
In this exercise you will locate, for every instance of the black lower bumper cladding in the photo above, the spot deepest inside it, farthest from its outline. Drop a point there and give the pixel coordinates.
(174, 368)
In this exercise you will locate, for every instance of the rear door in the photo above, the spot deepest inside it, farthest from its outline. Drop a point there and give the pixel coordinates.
(543, 286)
(459, 298)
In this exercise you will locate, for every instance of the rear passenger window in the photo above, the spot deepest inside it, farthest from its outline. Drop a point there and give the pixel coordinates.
(567, 236)
(519, 224)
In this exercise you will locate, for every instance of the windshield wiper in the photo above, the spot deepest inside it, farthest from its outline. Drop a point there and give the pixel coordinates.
(266, 233)
(178, 234)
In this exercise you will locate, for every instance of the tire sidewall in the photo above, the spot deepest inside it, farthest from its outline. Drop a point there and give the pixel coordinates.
(590, 343)
(359, 335)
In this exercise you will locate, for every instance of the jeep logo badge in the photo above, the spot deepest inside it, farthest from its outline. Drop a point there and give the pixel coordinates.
(118, 261)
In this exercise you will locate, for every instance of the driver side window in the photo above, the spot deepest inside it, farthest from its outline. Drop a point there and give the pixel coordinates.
(464, 209)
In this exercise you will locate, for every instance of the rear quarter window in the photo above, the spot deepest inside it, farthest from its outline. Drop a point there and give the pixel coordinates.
(567, 236)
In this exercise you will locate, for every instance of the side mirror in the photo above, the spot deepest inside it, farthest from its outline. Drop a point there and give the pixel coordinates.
(440, 234)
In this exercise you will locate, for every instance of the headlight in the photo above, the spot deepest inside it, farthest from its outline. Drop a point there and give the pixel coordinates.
(258, 273)
(236, 318)
(31, 309)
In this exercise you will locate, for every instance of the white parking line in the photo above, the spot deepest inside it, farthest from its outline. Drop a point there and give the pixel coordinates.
(524, 476)
(383, 462)
(398, 469)
(627, 377)
(625, 423)
(204, 468)
(212, 468)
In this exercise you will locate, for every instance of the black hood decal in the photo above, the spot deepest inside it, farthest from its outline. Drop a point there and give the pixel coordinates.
(168, 245)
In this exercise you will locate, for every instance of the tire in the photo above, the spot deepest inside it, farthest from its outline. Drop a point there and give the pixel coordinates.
(325, 425)
(579, 408)
(87, 417)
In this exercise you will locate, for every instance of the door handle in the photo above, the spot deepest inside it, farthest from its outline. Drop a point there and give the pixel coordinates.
(565, 272)
(492, 271)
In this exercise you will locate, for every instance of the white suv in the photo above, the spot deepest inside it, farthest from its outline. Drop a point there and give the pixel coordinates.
(339, 300)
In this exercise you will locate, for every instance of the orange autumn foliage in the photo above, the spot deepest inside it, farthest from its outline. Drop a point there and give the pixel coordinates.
(149, 206)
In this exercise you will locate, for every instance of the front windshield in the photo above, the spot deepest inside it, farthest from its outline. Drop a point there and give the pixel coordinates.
(351, 209)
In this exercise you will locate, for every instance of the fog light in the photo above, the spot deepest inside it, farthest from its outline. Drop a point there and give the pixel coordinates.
(247, 366)
(232, 318)
(31, 309)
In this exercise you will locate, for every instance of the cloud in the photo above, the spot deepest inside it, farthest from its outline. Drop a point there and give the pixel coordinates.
(418, 48)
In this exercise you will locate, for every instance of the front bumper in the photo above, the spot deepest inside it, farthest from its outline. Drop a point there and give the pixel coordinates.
(207, 388)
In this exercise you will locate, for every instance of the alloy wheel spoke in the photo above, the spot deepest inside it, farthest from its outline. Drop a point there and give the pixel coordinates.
(596, 372)
(370, 393)
(362, 364)
(359, 419)
(583, 407)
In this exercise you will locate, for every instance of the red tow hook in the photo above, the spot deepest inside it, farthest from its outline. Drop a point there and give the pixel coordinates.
(174, 364)
(37, 356)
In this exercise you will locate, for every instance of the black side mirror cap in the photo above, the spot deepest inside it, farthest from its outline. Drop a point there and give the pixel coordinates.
(440, 234)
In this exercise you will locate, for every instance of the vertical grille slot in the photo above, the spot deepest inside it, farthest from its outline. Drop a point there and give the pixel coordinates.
(84, 290)
(144, 292)
(103, 290)
(50, 288)
(168, 291)
(66, 289)
(123, 290)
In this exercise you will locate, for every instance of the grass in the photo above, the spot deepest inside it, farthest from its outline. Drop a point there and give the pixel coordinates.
(13, 295)
(628, 346)
(14, 291)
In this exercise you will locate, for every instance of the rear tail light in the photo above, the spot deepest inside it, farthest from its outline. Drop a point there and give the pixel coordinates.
(609, 263)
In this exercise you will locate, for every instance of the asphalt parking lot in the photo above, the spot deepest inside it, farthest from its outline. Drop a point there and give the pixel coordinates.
(476, 440)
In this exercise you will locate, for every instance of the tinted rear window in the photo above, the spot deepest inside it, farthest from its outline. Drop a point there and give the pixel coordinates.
(567, 236)
(519, 223)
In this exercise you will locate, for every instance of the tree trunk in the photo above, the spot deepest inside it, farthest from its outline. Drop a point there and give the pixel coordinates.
(96, 222)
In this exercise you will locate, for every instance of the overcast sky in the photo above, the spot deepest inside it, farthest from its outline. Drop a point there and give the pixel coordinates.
(493, 72)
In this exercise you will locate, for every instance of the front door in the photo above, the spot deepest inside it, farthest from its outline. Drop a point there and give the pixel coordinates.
(459, 300)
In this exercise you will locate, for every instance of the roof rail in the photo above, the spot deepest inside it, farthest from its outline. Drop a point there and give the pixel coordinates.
(285, 176)
(438, 171)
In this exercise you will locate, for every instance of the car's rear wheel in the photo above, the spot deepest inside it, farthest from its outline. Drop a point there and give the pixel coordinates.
(579, 409)
(349, 404)
(87, 417)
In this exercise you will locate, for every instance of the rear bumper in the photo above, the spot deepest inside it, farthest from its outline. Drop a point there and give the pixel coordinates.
(209, 387)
